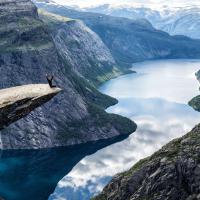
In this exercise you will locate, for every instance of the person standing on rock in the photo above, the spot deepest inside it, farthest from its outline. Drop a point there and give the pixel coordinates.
(50, 80)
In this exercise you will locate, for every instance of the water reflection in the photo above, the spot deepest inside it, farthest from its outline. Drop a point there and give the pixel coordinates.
(33, 174)
(172, 80)
(156, 98)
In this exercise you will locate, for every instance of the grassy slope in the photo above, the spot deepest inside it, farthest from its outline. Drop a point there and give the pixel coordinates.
(24, 34)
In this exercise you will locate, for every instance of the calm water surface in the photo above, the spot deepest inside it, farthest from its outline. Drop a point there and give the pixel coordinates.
(156, 99)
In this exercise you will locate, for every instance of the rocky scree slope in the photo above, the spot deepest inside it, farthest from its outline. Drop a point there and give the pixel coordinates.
(82, 48)
(130, 40)
(172, 173)
(27, 53)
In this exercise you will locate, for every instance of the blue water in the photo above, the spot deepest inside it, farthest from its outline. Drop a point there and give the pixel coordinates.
(34, 174)
(155, 98)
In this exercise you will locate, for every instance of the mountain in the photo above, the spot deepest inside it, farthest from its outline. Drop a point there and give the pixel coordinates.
(82, 48)
(175, 21)
(28, 51)
(130, 40)
(171, 173)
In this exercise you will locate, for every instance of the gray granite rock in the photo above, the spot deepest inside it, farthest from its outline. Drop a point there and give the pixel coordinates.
(17, 102)
(172, 173)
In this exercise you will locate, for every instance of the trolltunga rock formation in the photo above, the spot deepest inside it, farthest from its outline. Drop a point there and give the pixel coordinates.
(17, 102)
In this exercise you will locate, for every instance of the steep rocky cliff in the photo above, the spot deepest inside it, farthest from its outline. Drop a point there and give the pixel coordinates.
(172, 173)
(131, 40)
(27, 53)
(82, 48)
(17, 102)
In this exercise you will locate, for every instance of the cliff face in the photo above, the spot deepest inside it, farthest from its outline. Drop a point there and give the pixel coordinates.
(27, 53)
(172, 173)
(17, 102)
(82, 48)
(131, 40)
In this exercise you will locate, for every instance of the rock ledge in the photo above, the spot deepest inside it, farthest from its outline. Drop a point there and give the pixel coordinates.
(17, 102)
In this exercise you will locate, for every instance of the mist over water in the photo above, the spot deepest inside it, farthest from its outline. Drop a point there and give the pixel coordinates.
(156, 99)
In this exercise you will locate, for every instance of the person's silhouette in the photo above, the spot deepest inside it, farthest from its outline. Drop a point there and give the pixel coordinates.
(50, 80)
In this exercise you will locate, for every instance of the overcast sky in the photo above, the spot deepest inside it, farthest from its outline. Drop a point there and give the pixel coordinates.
(172, 3)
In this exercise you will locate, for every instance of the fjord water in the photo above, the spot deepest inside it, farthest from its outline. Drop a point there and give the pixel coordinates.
(34, 174)
(156, 99)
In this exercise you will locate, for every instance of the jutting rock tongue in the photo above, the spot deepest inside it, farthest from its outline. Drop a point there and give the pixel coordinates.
(17, 102)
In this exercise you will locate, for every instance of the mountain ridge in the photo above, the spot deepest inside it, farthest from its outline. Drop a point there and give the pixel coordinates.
(130, 40)
(175, 21)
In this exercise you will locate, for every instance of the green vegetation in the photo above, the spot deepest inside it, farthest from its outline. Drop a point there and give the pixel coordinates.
(122, 124)
(50, 17)
(96, 103)
(195, 103)
(101, 119)
(170, 151)
(100, 197)
(52, 20)
(24, 33)
(198, 75)
(93, 96)
(136, 167)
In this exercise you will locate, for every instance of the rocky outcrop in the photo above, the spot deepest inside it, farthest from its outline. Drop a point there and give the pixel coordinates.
(17, 102)
(195, 102)
(172, 173)
(27, 53)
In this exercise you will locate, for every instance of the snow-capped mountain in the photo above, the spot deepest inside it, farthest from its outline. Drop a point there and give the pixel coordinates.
(174, 20)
